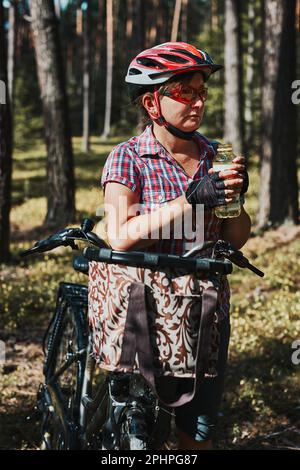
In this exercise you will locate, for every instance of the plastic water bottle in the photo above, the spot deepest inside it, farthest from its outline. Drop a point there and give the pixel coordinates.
(223, 161)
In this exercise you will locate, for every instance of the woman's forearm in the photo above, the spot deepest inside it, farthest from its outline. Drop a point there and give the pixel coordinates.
(143, 230)
(237, 230)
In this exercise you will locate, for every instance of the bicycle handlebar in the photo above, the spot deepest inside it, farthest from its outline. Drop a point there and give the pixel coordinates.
(158, 260)
(66, 237)
(189, 263)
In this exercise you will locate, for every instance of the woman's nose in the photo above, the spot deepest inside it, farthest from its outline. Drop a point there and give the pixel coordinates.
(198, 102)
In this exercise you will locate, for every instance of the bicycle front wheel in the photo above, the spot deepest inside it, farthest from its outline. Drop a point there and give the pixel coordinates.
(133, 432)
(64, 384)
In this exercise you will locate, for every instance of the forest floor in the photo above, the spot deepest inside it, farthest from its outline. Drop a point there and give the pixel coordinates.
(261, 406)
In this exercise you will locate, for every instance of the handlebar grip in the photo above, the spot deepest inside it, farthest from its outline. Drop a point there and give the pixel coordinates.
(214, 265)
(94, 254)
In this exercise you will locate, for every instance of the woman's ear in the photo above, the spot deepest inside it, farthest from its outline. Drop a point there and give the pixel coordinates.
(149, 104)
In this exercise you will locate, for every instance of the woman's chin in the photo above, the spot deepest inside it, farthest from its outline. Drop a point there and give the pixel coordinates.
(192, 126)
(192, 123)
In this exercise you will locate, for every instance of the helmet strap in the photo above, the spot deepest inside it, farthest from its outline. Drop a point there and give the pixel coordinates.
(160, 120)
(179, 133)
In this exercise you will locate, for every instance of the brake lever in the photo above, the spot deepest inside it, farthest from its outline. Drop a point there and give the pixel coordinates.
(54, 241)
(227, 250)
(240, 260)
(56, 238)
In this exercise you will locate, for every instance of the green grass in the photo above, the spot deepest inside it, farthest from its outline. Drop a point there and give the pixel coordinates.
(263, 387)
(262, 383)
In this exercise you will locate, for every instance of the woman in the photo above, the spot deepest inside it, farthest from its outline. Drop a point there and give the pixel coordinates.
(168, 169)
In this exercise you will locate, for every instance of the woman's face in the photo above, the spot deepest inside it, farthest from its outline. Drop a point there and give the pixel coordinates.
(186, 117)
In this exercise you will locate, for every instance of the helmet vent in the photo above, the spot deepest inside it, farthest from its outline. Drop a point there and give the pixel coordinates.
(192, 56)
(133, 71)
(150, 63)
(172, 58)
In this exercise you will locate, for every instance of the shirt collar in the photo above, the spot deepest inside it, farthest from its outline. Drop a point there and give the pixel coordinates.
(147, 144)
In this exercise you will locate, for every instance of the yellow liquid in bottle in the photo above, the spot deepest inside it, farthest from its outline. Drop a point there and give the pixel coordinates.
(223, 161)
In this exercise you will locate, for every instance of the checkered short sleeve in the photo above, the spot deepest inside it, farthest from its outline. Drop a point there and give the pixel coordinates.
(121, 167)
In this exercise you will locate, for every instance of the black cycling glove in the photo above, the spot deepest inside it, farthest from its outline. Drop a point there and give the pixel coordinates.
(210, 191)
(245, 181)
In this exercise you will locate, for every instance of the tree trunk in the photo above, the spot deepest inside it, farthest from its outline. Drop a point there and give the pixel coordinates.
(233, 126)
(70, 46)
(278, 198)
(259, 68)
(96, 59)
(99, 35)
(175, 23)
(214, 15)
(250, 75)
(298, 17)
(12, 41)
(184, 27)
(86, 80)
(79, 21)
(57, 8)
(60, 167)
(129, 21)
(160, 26)
(140, 25)
(5, 148)
(109, 61)
(152, 24)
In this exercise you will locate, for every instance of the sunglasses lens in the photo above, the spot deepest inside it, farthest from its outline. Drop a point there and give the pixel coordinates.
(186, 94)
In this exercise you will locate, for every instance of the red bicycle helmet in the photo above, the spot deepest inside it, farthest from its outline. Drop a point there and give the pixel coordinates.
(154, 66)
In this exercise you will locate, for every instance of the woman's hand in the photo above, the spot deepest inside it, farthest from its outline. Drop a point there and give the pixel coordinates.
(235, 179)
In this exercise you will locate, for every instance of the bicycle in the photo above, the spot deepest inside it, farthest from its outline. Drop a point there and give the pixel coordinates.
(119, 410)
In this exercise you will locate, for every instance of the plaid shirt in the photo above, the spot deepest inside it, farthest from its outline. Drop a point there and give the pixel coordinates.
(144, 165)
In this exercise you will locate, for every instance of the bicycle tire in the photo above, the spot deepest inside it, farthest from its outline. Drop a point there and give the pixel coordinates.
(137, 443)
(68, 336)
(133, 431)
